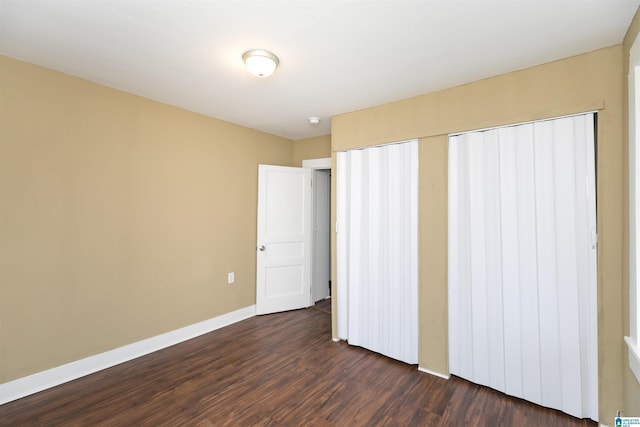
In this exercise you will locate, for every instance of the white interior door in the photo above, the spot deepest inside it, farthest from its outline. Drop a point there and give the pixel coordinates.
(283, 249)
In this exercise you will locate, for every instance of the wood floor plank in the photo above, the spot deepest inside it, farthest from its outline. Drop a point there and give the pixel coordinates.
(276, 370)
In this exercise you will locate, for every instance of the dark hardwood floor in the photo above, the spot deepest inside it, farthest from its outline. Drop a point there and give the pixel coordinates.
(277, 370)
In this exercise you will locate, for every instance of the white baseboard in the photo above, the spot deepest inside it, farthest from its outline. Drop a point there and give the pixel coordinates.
(426, 371)
(31, 384)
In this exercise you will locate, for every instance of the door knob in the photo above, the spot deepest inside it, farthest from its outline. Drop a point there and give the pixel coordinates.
(261, 248)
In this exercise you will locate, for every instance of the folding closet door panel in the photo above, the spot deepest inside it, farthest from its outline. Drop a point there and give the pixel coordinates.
(527, 262)
(513, 300)
(378, 249)
(522, 266)
(547, 264)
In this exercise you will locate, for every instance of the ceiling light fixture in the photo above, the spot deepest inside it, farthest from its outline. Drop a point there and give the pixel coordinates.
(260, 63)
(314, 121)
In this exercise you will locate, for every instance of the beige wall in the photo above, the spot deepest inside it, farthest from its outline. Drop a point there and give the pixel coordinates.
(119, 217)
(433, 199)
(311, 148)
(587, 82)
(631, 385)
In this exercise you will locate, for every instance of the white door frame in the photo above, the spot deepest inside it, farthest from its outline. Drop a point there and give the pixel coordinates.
(315, 164)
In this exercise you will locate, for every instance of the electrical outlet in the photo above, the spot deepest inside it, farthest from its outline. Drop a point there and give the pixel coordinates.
(231, 277)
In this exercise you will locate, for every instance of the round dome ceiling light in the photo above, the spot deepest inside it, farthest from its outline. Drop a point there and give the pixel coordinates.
(314, 121)
(260, 63)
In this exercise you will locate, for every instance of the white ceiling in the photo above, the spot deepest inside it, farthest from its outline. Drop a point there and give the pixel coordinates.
(335, 56)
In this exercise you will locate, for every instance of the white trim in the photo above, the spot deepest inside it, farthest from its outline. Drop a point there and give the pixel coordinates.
(634, 356)
(25, 386)
(316, 164)
(383, 144)
(435, 374)
(634, 205)
(523, 123)
(324, 163)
